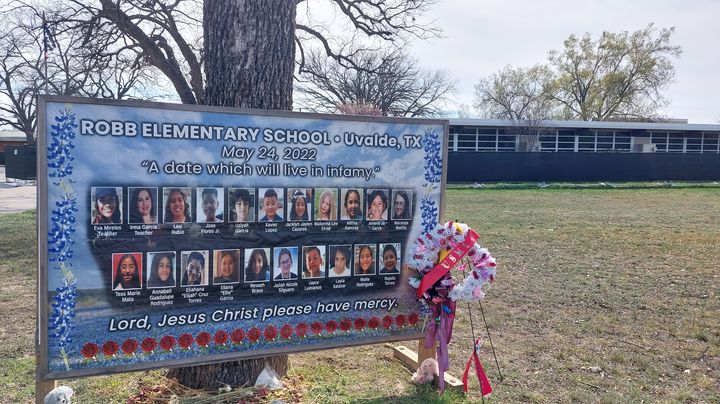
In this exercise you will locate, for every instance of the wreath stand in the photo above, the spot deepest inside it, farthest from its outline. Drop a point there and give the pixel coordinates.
(413, 359)
(457, 251)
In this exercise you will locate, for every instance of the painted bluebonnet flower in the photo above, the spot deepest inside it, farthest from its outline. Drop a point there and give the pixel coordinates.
(63, 310)
(58, 151)
(433, 175)
(60, 240)
(63, 225)
(433, 158)
(429, 213)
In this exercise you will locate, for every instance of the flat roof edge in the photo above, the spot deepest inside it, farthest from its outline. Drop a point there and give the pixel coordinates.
(591, 125)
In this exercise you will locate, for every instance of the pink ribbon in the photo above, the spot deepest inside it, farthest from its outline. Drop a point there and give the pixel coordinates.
(441, 331)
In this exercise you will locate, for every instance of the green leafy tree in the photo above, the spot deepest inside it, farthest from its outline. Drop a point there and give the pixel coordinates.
(619, 76)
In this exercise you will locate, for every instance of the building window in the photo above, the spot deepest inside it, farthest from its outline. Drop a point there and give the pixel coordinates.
(586, 141)
(482, 139)
(466, 142)
(505, 139)
(622, 141)
(487, 142)
(693, 142)
(548, 142)
(676, 142)
(660, 140)
(506, 142)
(566, 140)
(710, 142)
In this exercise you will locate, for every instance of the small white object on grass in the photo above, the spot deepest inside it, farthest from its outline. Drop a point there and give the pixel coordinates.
(59, 395)
(269, 378)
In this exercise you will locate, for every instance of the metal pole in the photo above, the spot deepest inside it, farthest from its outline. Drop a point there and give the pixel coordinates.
(491, 343)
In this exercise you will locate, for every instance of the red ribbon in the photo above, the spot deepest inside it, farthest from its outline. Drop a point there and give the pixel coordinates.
(485, 388)
(447, 263)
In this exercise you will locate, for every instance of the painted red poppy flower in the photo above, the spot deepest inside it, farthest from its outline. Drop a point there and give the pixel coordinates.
(185, 340)
(331, 326)
(110, 348)
(359, 323)
(129, 346)
(237, 336)
(254, 334)
(413, 319)
(345, 324)
(270, 333)
(374, 323)
(220, 337)
(148, 344)
(301, 329)
(387, 321)
(400, 320)
(316, 327)
(167, 342)
(286, 331)
(203, 339)
(89, 350)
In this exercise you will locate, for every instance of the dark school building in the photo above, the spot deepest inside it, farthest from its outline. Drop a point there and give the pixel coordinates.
(498, 150)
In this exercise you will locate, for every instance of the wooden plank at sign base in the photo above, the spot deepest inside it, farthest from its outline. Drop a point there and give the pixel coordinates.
(405, 355)
(410, 359)
(424, 353)
(42, 388)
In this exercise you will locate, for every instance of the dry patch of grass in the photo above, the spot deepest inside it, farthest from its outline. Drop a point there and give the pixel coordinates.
(602, 296)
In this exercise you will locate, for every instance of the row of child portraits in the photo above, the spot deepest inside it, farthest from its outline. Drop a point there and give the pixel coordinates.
(317, 262)
(242, 204)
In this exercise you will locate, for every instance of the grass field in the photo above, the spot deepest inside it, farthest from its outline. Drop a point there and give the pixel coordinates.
(602, 296)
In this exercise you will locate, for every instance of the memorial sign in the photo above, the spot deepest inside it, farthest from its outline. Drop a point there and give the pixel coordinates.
(177, 234)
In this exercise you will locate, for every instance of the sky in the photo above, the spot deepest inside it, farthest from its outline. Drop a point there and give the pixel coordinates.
(482, 36)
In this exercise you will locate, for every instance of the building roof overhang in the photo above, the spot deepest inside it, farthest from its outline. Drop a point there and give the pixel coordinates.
(596, 125)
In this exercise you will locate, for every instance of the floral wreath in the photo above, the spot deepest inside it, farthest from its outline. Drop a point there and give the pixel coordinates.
(445, 246)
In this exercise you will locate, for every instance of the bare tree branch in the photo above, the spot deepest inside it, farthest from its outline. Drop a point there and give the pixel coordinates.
(77, 64)
(390, 81)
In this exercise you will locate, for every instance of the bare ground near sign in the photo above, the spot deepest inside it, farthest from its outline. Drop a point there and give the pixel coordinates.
(602, 296)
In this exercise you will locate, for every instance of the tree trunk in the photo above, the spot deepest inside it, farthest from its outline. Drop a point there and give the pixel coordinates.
(249, 53)
(249, 62)
(235, 373)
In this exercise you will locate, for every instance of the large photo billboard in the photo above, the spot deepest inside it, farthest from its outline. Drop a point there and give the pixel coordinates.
(175, 234)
